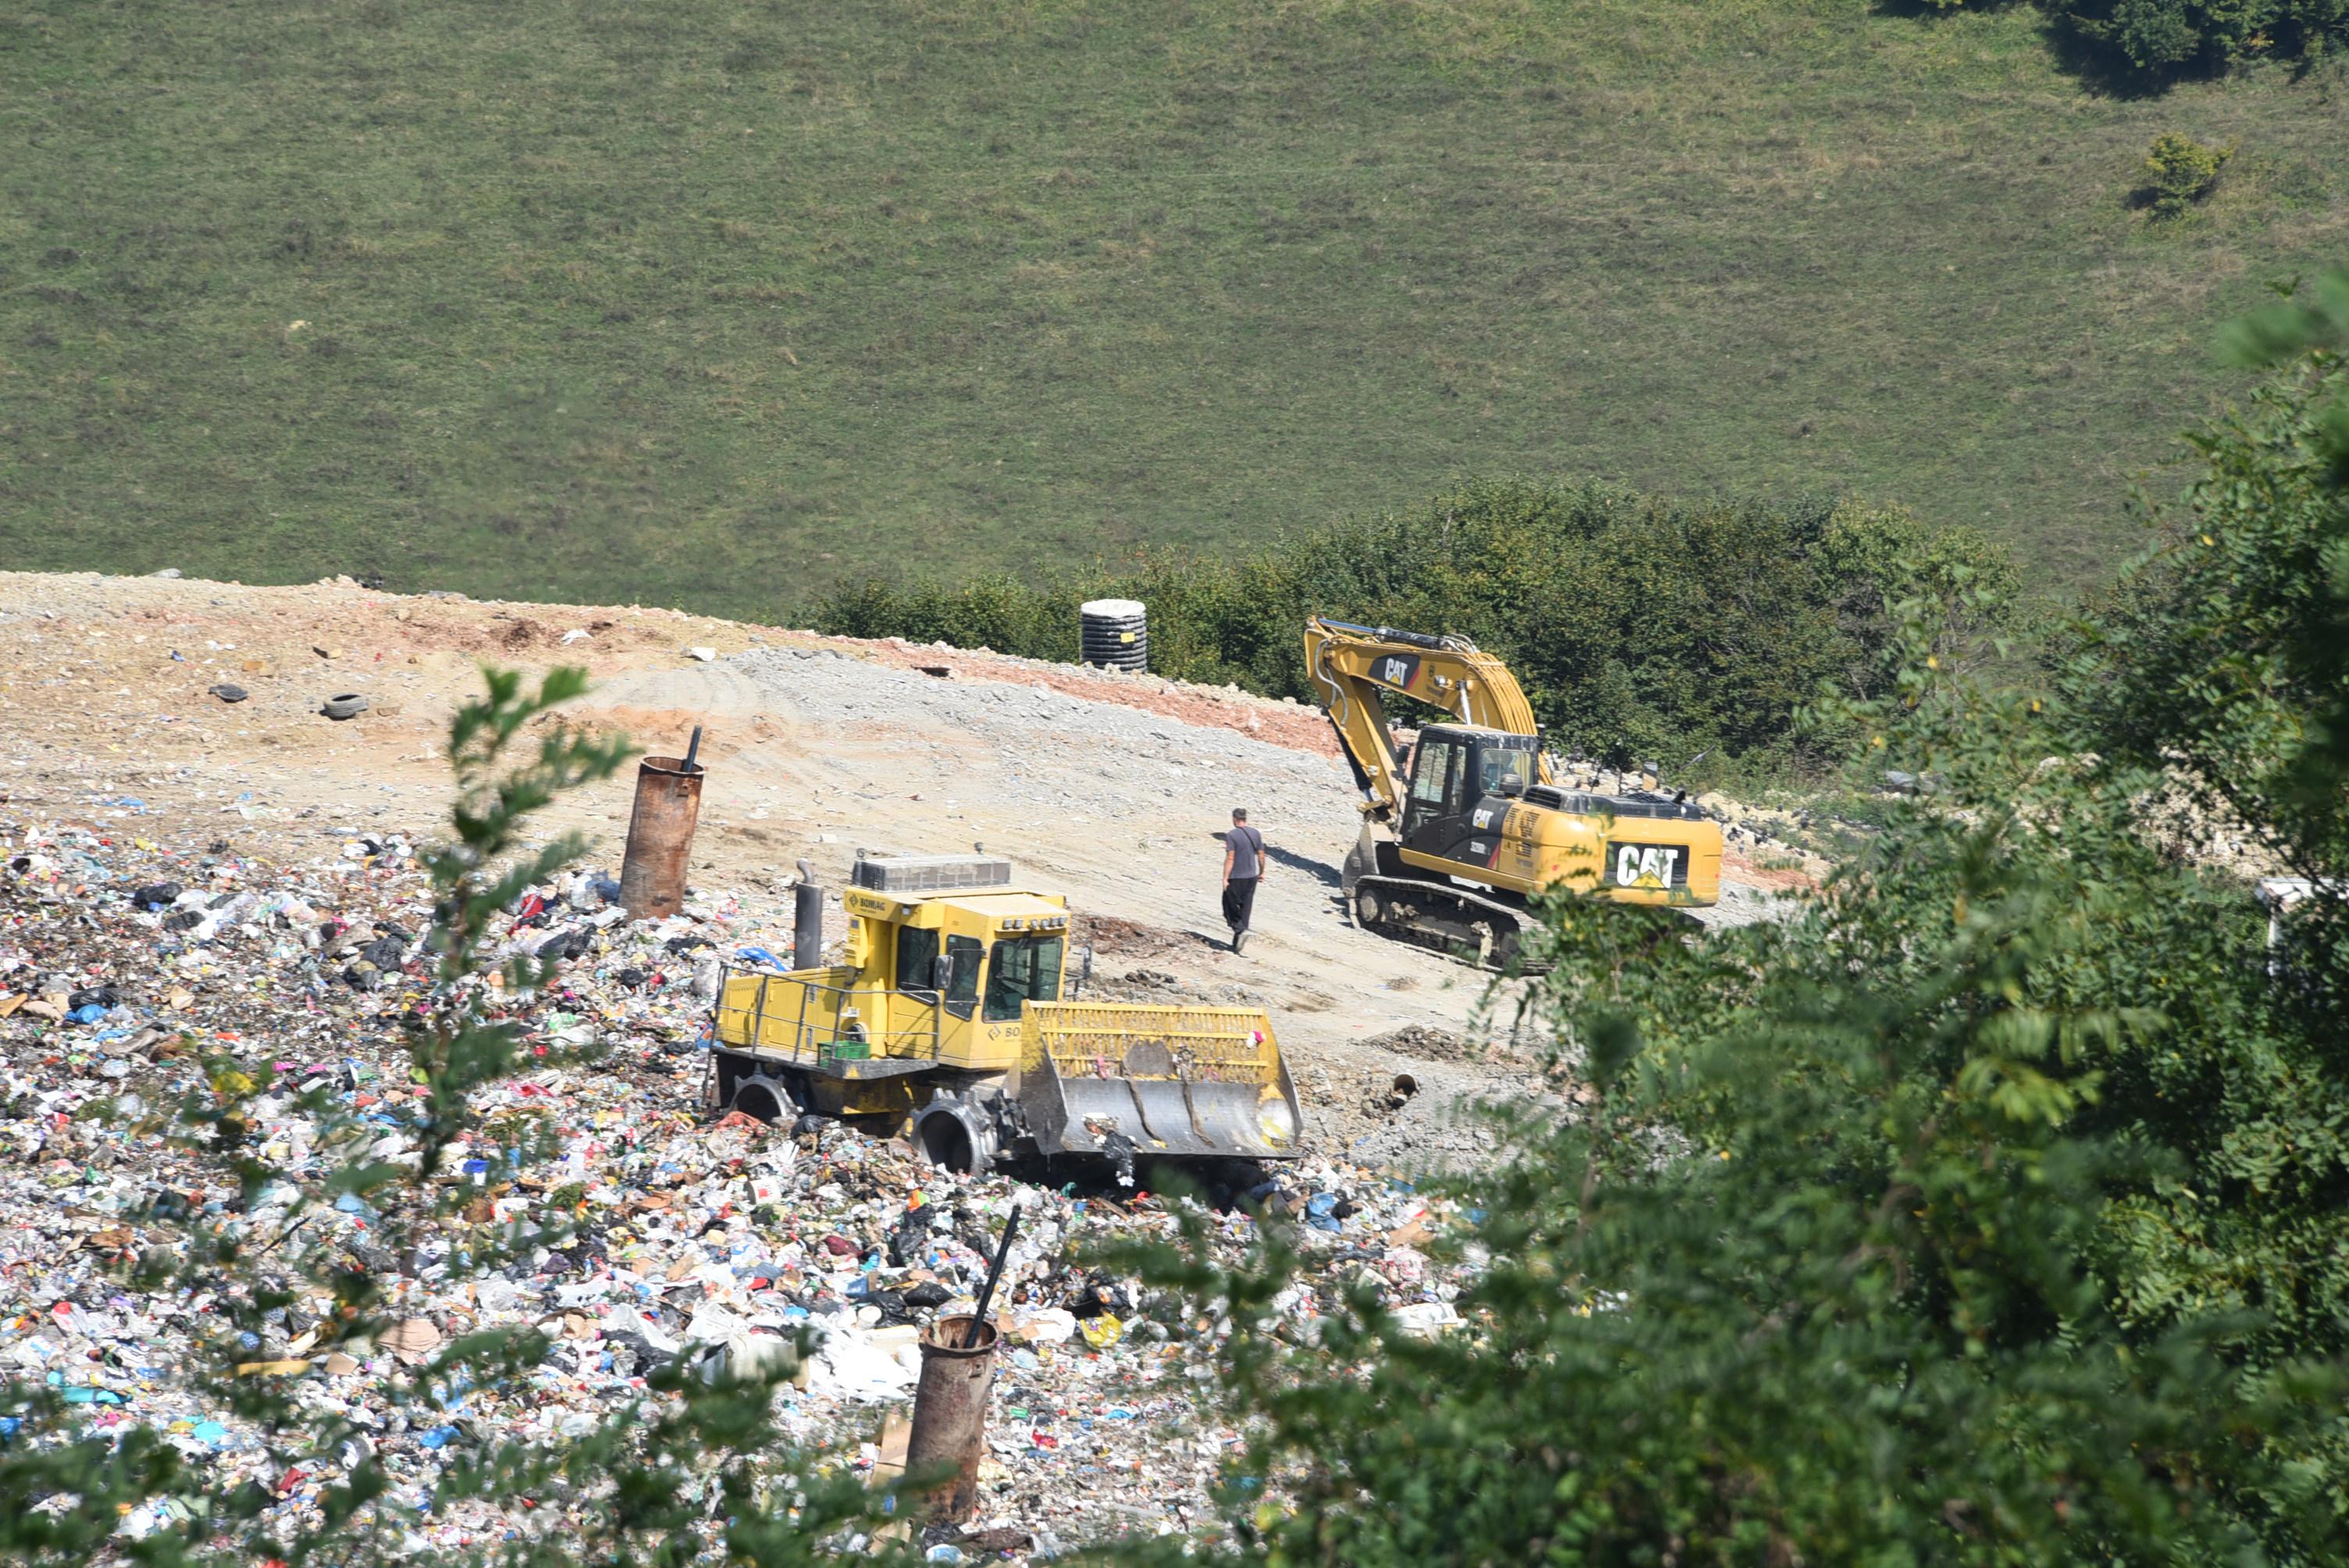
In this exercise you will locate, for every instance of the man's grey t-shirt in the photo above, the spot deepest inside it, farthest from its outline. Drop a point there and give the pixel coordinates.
(1247, 852)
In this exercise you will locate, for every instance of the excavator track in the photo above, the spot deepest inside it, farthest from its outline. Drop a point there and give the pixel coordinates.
(1451, 920)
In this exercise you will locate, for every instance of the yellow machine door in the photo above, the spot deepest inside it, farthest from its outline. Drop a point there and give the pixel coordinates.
(956, 1029)
(916, 1006)
(923, 1008)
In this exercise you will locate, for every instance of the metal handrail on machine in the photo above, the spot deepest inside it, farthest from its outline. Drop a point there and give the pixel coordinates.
(811, 1041)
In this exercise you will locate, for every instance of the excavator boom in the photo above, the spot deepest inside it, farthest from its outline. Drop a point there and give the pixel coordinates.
(1352, 664)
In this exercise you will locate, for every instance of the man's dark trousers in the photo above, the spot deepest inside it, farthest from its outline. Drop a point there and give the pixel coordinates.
(1240, 903)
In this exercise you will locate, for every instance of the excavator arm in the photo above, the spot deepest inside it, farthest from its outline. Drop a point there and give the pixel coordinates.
(1351, 666)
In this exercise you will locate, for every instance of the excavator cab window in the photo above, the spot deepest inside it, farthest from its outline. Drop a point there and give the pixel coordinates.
(1435, 762)
(1437, 767)
(1503, 771)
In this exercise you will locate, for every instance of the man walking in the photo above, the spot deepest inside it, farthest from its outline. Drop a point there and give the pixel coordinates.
(1242, 868)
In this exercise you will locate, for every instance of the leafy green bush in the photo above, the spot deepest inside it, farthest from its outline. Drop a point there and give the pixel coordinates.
(1989, 1211)
(2181, 172)
(995, 610)
(1637, 624)
(2164, 36)
(2233, 604)
(2167, 39)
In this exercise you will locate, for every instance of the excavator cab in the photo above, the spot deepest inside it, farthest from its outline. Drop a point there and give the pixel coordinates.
(1453, 767)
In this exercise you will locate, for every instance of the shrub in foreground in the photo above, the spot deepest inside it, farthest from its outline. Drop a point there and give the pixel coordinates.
(1989, 1210)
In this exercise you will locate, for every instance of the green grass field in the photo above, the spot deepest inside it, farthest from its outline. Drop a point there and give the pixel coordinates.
(712, 301)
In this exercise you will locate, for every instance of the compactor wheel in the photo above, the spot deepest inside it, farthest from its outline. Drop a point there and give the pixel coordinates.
(957, 1134)
(766, 1099)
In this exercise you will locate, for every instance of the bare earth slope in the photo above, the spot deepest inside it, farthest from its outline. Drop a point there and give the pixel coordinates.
(1110, 788)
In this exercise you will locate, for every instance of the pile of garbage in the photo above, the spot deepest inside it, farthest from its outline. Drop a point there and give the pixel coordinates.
(127, 966)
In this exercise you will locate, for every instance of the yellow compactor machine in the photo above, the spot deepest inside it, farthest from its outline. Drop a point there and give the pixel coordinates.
(949, 1017)
(1456, 837)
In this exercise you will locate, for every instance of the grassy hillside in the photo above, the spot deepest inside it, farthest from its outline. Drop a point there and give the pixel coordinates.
(716, 300)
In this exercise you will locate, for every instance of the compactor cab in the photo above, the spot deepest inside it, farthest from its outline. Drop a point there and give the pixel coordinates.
(951, 1017)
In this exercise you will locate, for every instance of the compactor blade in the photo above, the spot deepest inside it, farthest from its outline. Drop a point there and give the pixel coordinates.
(1183, 1082)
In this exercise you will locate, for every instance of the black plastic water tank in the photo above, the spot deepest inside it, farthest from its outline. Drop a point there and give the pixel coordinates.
(1114, 633)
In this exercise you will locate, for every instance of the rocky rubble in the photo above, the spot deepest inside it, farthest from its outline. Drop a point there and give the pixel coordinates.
(645, 1233)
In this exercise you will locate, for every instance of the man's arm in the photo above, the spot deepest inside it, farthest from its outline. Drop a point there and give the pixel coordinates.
(1228, 852)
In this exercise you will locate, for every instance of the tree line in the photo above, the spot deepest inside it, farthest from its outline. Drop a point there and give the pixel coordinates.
(1642, 627)
(2163, 40)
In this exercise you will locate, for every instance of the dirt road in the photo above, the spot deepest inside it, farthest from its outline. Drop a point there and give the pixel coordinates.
(1111, 787)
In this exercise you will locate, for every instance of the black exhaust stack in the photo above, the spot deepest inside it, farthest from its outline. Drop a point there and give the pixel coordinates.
(807, 920)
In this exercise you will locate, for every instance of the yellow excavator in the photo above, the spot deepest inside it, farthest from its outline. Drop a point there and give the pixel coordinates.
(1457, 836)
(951, 1018)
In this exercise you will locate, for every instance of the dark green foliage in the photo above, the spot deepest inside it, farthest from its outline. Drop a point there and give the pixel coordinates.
(1916, 1230)
(2160, 40)
(2164, 38)
(2181, 172)
(2234, 618)
(1637, 624)
(1992, 1209)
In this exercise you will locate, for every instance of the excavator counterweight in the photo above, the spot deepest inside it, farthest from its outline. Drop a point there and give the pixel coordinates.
(1457, 836)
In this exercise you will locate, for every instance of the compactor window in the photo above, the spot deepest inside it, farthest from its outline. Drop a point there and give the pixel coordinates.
(917, 959)
(1499, 767)
(1027, 969)
(962, 989)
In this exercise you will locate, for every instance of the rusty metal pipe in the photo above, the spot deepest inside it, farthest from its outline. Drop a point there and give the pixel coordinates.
(950, 1412)
(661, 837)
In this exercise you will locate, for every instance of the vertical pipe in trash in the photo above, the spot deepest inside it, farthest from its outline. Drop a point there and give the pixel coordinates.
(950, 1412)
(807, 920)
(995, 1269)
(661, 837)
